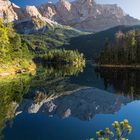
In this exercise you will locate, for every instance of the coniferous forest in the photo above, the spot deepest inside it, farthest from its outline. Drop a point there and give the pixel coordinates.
(124, 50)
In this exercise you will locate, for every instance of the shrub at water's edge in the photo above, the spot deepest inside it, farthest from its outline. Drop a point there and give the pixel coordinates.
(62, 56)
(121, 131)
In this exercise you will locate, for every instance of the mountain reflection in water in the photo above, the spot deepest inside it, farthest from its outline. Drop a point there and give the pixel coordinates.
(83, 104)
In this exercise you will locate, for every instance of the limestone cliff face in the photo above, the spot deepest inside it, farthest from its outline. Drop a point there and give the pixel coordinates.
(11, 12)
(47, 10)
(28, 12)
(7, 10)
(68, 13)
(85, 15)
(26, 20)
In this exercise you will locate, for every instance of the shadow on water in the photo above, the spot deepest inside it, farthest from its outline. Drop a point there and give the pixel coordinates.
(120, 81)
(125, 82)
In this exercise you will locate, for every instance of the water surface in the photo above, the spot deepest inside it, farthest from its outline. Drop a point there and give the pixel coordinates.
(69, 103)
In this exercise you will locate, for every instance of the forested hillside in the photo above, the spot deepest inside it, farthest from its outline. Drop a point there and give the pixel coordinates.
(52, 38)
(92, 44)
(17, 51)
(14, 55)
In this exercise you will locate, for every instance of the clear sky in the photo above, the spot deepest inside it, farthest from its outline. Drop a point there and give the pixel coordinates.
(131, 7)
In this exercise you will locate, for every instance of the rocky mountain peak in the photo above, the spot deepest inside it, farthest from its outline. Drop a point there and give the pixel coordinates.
(28, 12)
(89, 2)
(85, 7)
(7, 10)
(47, 10)
(63, 5)
(85, 15)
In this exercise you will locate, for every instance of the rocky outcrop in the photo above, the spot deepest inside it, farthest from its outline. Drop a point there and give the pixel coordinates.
(7, 10)
(11, 12)
(28, 12)
(85, 15)
(47, 10)
(26, 20)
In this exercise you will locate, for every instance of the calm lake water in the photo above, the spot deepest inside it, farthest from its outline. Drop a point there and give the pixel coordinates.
(66, 103)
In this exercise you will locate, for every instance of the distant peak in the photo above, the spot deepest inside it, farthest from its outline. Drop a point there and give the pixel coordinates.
(64, 4)
(85, 1)
(63, 1)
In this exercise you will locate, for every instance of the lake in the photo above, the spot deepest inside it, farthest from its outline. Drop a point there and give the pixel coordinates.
(66, 103)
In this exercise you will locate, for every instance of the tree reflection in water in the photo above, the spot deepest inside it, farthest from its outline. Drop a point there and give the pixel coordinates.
(11, 93)
(124, 81)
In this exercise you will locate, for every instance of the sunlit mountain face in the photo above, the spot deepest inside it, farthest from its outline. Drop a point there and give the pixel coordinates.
(131, 7)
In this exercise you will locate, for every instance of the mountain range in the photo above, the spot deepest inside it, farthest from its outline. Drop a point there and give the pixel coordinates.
(84, 15)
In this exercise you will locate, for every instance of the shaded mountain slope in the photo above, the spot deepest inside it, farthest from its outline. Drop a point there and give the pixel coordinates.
(92, 44)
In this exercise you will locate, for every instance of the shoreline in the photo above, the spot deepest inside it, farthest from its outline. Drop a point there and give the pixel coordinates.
(116, 66)
(22, 71)
(13, 71)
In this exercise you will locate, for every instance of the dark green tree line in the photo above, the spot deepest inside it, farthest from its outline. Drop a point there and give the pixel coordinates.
(124, 50)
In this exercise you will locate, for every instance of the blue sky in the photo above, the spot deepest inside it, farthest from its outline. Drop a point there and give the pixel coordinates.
(131, 7)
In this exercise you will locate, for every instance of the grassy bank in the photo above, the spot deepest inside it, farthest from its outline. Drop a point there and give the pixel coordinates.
(10, 69)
